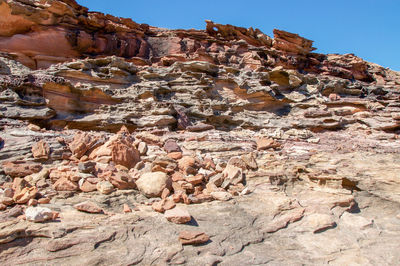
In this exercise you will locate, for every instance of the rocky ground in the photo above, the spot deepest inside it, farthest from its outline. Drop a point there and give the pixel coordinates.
(128, 144)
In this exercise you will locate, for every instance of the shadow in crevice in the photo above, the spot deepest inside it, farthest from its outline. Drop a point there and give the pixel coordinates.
(192, 222)
(20, 241)
(354, 208)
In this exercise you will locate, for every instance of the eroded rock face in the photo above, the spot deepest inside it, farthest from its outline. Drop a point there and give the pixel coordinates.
(278, 154)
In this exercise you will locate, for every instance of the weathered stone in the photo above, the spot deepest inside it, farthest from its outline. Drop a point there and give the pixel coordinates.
(200, 127)
(163, 205)
(178, 215)
(175, 155)
(152, 184)
(43, 200)
(105, 187)
(20, 168)
(193, 238)
(171, 146)
(221, 195)
(266, 143)
(25, 195)
(127, 208)
(232, 176)
(86, 167)
(41, 150)
(38, 214)
(88, 207)
(64, 184)
(142, 148)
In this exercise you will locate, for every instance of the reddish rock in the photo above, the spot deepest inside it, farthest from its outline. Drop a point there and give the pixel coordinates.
(195, 180)
(41, 150)
(3, 207)
(32, 202)
(119, 149)
(82, 143)
(125, 154)
(292, 43)
(43, 200)
(64, 184)
(9, 192)
(187, 164)
(178, 215)
(177, 176)
(200, 127)
(7, 201)
(163, 205)
(17, 186)
(166, 192)
(266, 143)
(64, 172)
(334, 97)
(126, 208)
(175, 155)
(232, 176)
(171, 146)
(25, 195)
(200, 198)
(122, 180)
(21, 168)
(209, 163)
(88, 207)
(193, 238)
(87, 186)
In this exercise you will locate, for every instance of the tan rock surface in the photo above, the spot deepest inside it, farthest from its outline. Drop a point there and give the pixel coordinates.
(281, 156)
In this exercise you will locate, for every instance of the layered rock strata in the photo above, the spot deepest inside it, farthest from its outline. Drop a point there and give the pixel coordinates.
(256, 149)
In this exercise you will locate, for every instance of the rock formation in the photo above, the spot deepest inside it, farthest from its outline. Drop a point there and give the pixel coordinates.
(107, 127)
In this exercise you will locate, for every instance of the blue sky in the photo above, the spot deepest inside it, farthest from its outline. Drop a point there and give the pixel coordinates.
(368, 28)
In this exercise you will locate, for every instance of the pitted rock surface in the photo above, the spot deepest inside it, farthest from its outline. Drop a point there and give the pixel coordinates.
(220, 146)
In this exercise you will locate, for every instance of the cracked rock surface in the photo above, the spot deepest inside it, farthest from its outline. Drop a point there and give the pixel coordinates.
(127, 144)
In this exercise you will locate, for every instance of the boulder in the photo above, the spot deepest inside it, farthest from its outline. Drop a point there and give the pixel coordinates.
(178, 215)
(105, 187)
(38, 214)
(152, 184)
(41, 150)
(84, 142)
(232, 176)
(119, 149)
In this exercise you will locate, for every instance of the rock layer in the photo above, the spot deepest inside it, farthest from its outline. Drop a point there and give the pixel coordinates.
(280, 155)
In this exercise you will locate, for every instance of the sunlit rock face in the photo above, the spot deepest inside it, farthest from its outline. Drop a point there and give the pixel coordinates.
(194, 147)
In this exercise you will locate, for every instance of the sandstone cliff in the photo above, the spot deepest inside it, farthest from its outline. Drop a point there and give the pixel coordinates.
(273, 153)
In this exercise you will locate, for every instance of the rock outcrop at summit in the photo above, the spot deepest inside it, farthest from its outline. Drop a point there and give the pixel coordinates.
(120, 138)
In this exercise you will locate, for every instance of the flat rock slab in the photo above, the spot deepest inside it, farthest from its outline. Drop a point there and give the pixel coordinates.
(178, 215)
(88, 207)
(193, 238)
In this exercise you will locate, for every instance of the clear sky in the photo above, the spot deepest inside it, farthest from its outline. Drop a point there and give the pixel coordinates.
(368, 28)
